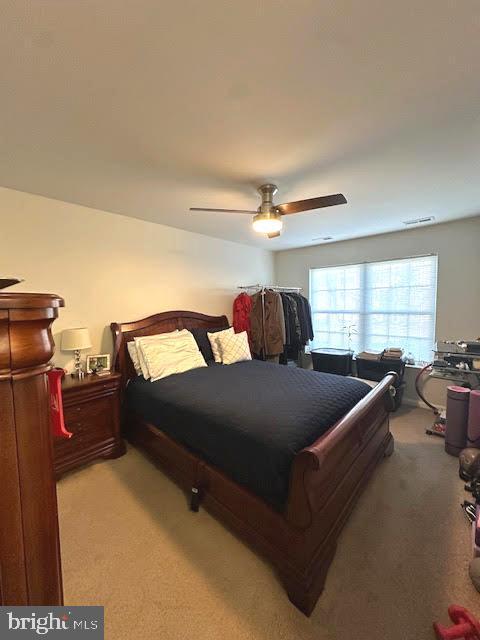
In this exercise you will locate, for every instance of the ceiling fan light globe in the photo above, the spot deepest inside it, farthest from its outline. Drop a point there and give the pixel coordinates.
(267, 224)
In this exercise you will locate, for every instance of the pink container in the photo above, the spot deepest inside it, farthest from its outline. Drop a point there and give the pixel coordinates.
(473, 432)
(476, 535)
(457, 419)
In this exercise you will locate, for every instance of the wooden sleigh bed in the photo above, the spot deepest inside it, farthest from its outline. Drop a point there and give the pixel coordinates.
(326, 478)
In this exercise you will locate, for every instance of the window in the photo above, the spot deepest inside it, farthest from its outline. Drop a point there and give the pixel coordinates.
(376, 305)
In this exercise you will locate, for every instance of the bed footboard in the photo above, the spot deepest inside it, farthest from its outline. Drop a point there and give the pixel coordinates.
(326, 480)
(318, 469)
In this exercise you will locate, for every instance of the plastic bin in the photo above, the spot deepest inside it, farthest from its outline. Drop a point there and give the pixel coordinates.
(337, 361)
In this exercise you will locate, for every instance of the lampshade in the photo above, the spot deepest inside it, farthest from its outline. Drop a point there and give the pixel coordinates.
(267, 223)
(73, 339)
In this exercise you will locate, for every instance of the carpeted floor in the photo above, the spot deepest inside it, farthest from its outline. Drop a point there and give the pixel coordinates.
(130, 543)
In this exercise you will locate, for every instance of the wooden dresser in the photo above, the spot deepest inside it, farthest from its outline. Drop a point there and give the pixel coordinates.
(30, 571)
(92, 413)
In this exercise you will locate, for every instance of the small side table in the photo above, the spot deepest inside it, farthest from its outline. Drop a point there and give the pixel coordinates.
(92, 413)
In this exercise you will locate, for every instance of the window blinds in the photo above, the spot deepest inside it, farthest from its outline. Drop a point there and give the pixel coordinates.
(376, 305)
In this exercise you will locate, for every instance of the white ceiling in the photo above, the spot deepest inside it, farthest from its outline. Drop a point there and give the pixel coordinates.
(148, 107)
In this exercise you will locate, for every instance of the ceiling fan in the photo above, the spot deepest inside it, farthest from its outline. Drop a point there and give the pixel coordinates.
(268, 217)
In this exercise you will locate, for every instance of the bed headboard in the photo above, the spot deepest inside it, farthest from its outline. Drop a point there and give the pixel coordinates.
(159, 323)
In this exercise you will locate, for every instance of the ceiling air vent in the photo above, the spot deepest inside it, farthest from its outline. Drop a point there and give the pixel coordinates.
(409, 223)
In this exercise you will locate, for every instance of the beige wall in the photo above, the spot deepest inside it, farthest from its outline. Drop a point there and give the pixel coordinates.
(113, 268)
(110, 267)
(458, 295)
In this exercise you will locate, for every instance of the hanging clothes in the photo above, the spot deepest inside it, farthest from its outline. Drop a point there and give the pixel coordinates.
(308, 318)
(305, 318)
(242, 307)
(311, 332)
(292, 322)
(267, 323)
(298, 320)
(293, 343)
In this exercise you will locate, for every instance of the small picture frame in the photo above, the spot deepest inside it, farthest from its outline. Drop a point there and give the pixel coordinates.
(98, 364)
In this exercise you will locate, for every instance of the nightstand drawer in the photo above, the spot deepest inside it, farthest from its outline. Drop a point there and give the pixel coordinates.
(90, 421)
(88, 412)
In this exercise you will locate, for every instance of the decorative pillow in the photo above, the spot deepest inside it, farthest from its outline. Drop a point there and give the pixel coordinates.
(235, 348)
(133, 353)
(203, 342)
(214, 338)
(167, 356)
(157, 336)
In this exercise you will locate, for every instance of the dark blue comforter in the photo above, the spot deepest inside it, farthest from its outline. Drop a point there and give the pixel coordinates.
(248, 419)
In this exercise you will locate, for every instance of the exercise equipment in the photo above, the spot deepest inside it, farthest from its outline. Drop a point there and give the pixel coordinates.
(473, 487)
(474, 572)
(438, 427)
(473, 431)
(476, 534)
(457, 419)
(419, 391)
(469, 510)
(469, 464)
(465, 625)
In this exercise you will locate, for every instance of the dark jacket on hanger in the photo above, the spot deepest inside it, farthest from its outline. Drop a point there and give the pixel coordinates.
(308, 317)
(268, 324)
(292, 323)
(305, 318)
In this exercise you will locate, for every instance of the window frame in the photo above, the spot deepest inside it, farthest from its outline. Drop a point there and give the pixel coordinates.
(361, 329)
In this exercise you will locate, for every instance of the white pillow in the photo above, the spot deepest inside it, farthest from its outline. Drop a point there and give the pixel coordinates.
(157, 336)
(167, 356)
(235, 348)
(133, 353)
(215, 344)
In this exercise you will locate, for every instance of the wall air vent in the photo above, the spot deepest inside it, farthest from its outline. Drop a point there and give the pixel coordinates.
(322, 238)
(409, 223)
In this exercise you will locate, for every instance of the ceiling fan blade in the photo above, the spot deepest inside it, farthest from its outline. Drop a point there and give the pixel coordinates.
(311, 203)
(224, 210)
(273, 235)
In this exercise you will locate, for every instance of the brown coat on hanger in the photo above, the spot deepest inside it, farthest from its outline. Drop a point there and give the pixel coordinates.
(268, 323)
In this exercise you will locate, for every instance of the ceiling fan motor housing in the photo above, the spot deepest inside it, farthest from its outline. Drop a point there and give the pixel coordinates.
(267, 191)
(268, 219)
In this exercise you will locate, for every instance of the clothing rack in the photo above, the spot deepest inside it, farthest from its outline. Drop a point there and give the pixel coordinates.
(262, 288)
(273, 287)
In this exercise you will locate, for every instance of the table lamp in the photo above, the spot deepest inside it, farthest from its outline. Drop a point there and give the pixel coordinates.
(76, 340)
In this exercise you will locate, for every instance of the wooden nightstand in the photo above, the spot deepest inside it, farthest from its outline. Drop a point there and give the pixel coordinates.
(92, 413)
